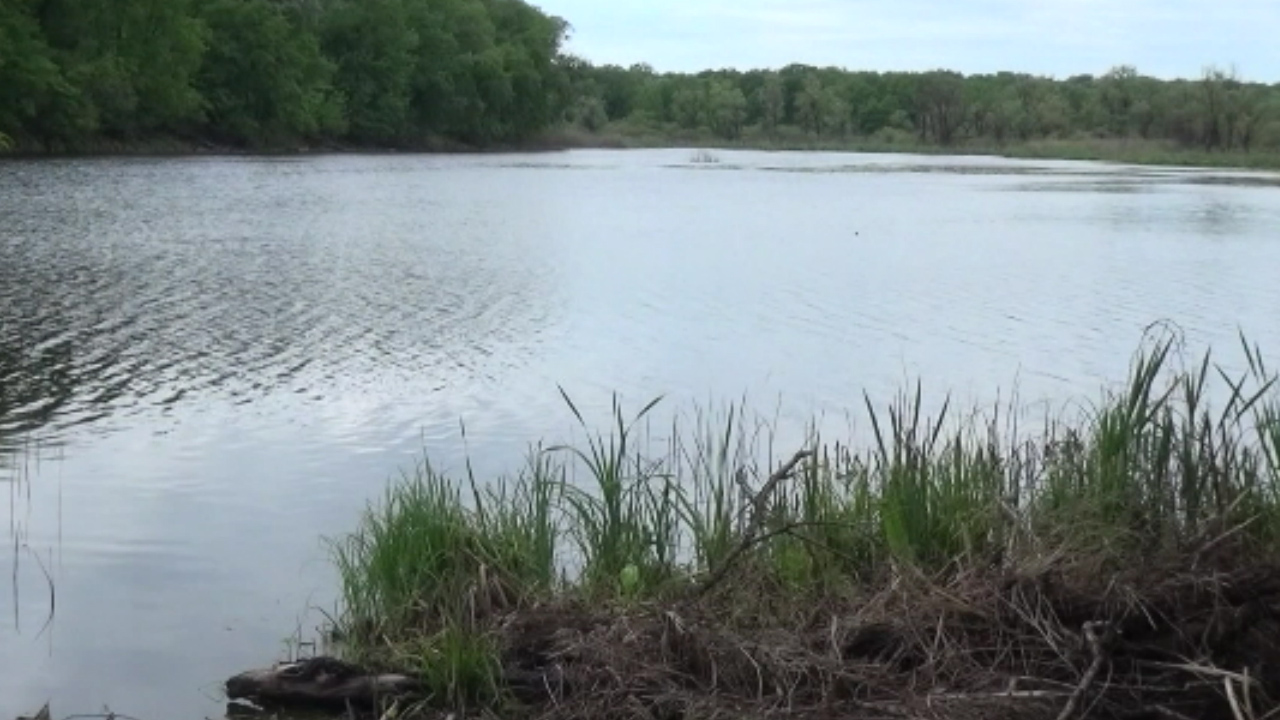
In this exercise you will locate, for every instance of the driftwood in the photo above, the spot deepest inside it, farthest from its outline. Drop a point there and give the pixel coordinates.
(320, 682)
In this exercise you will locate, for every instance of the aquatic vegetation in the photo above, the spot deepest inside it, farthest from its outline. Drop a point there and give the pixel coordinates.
(704, 157)
(695, 571)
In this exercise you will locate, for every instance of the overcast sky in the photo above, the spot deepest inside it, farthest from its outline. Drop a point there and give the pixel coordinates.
(1165, 38)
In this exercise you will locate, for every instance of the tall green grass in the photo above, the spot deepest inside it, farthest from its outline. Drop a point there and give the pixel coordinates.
(1180, 457)
(431, 566)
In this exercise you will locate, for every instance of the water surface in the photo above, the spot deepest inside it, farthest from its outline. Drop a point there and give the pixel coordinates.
(208, 365)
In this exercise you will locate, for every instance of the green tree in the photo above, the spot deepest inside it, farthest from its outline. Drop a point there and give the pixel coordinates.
(31, 83)
(372, 47)
(811, 103)
(653, 101)
(589, 112)
(773, 102)
(489, 70)
(132, 62)
(836, 113)
(940, 106)
(531, 41)
(406, 72)
(1216, 108)
(263, 82)
(688, 105)
(726, 109)
(1117, 94)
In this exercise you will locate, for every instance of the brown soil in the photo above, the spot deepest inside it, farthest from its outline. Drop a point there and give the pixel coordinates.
(1196, 637)
(1161, 643)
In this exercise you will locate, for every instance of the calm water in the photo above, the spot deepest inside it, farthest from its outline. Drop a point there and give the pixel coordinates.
(210, 364)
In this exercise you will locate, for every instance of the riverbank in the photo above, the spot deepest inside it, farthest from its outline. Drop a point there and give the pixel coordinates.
(1122, 562)
(175, 146)
(1128, 150)
(626, 137)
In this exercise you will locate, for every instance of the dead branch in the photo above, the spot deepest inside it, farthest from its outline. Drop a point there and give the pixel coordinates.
(1096, 641)
(1170, 713)
(759, 507)
(1005, 695)
(1236, 711)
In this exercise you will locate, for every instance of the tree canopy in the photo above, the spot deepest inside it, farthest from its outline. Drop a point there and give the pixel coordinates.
(269, 72)
(1217, 111)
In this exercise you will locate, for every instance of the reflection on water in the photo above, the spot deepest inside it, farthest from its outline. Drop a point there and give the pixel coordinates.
(1221, 217)
(1123, 186)
(1207, 215)
(155, 284)
(29, 563)
(206, 365)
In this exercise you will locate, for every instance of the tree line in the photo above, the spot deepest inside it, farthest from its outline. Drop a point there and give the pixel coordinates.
(1217, 111)
(267, 72)
(411, 73)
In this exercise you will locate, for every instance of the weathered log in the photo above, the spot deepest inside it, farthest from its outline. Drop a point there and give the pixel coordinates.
(318, 682)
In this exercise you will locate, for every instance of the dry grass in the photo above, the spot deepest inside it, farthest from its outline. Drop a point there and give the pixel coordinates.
(999, 644)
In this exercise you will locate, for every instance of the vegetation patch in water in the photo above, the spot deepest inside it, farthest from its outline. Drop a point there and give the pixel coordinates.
(704, 157)
(1120, 562)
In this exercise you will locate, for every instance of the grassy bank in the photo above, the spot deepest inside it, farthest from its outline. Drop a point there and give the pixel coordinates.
(1121, 560)
(1139, 152)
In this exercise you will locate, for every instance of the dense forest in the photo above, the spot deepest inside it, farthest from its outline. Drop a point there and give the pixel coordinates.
(76, 73)
(1214, 112)
(422, 73)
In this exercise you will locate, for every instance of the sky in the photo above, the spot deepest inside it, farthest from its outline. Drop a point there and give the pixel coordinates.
(1163, 38)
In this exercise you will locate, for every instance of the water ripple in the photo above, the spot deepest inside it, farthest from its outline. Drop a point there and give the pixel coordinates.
(152, 284)
(232, 354)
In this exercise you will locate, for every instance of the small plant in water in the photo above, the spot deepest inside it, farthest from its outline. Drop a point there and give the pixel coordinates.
(704, 157)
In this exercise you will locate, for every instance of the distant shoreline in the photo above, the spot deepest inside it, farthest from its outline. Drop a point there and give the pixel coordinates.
(1127, 151)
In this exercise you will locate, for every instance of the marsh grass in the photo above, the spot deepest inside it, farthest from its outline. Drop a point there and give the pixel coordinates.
(1180, 461)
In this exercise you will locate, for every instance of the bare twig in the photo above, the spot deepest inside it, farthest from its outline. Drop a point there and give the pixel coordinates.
(1204, 549)
(1207, 671)
(1236, 711)
(759, 505)
(1004, 695)
(1248, 695)
(1170, 713)
(1095, 640)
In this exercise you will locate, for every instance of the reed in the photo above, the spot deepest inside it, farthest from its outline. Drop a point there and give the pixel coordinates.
(1182, 458)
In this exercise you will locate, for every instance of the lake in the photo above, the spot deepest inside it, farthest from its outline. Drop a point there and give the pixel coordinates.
(209, 365)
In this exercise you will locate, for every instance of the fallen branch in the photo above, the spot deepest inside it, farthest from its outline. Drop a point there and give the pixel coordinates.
(317, 682)
(759, 506)
(1096, 641)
